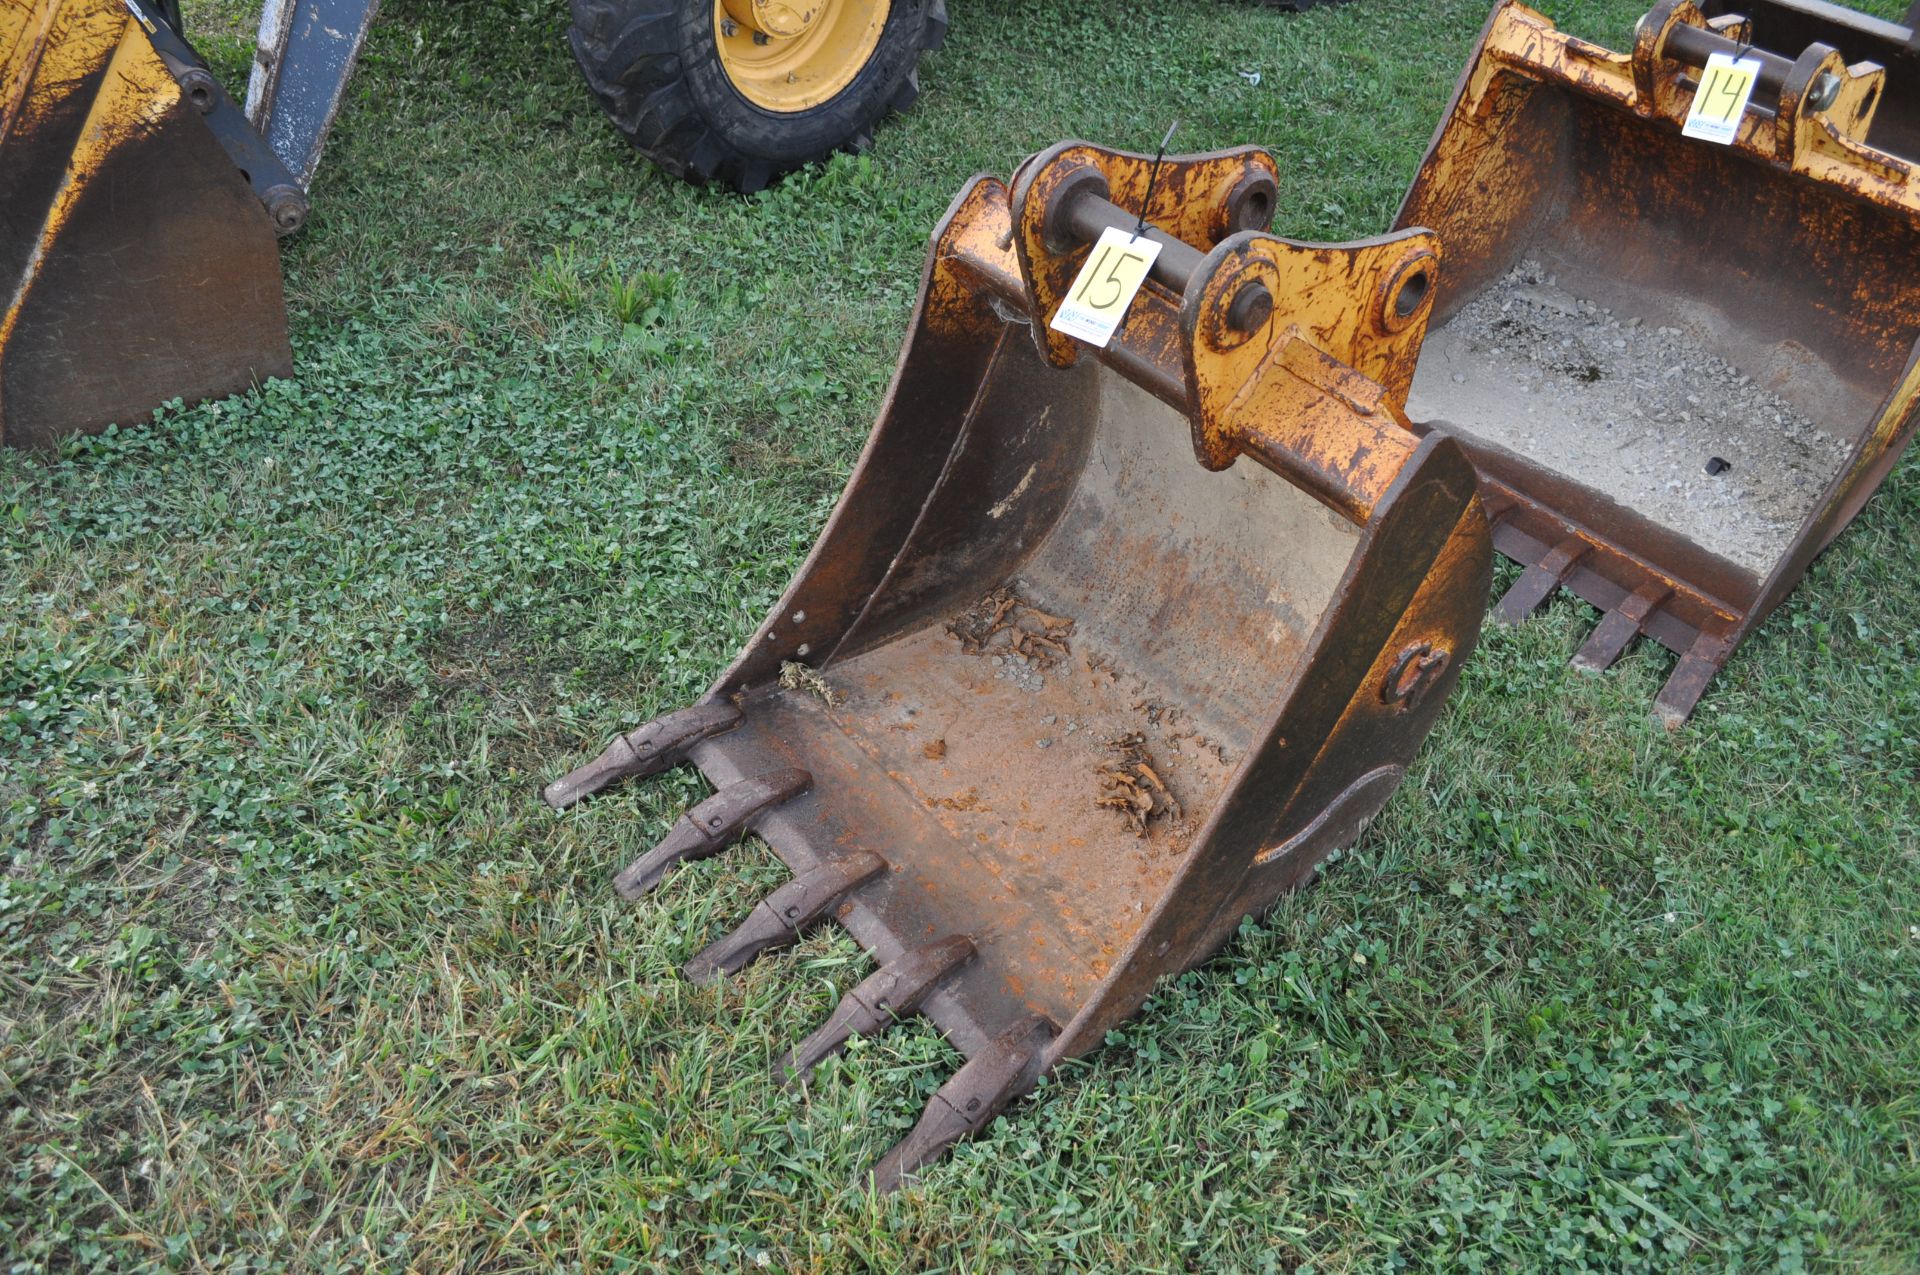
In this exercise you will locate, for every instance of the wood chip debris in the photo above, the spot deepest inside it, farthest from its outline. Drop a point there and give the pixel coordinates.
(1155, 711)
(1032, 633)
(1130, 784)
(795, 676)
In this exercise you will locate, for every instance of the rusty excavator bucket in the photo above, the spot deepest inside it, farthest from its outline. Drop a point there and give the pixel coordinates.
(1680, 366)
(1103, 649)
(137, 262)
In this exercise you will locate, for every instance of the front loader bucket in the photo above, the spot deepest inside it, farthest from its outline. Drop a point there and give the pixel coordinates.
(1681, 367)
(136, 264)
(1064, 692)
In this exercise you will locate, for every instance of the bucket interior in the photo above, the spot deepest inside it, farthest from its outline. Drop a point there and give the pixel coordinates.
(1192, 597)
(1660, 337)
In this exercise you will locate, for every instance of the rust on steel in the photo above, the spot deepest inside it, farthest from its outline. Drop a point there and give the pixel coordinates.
(135, 264)
(1214, 550)
(1786, 257)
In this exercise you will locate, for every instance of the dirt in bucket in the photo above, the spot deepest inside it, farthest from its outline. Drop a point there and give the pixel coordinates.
(1643, 412)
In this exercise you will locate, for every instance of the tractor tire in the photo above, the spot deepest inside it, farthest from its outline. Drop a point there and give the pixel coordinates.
(678, 81)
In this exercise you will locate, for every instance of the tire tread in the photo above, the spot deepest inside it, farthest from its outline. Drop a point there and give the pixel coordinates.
(628, 52)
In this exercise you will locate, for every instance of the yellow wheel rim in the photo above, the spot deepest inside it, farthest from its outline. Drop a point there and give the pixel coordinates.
(792, 55)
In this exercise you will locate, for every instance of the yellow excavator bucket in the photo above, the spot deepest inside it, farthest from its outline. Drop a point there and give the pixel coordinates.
(136, 265)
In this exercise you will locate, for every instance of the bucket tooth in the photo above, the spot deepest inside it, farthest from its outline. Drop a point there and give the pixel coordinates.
(711, 827)
(1537, 583)
(892, 991)
(968, 1102)
(659, 745)
(1688, 681)
(779, 918)
(1619, 627)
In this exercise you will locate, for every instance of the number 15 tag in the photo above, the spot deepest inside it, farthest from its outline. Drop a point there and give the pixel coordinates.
(1721, 99)
(1105, 286)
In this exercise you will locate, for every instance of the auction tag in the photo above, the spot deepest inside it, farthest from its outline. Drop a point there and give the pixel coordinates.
(1105, 286)
(1720, 101)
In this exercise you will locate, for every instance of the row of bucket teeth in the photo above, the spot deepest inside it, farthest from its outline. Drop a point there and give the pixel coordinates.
(974, 1095)
(1617, 628)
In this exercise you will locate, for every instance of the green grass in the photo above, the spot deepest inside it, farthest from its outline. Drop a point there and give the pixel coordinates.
(299, 974)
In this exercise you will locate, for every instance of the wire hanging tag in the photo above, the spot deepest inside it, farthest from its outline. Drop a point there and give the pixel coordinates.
(1153, 175)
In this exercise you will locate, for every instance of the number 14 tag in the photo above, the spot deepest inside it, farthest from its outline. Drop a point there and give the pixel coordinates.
(1721, 99)
(1105, 286)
